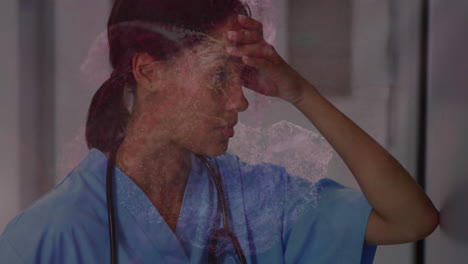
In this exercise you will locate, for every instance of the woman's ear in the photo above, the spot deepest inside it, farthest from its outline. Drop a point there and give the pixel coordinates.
(145, 71)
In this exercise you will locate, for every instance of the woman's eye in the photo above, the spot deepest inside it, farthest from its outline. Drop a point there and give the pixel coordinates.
(221, 76)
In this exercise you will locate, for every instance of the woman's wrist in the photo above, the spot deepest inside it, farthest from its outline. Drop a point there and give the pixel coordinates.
(307, 92)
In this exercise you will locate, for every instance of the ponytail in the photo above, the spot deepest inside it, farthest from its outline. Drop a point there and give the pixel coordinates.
(108, 115)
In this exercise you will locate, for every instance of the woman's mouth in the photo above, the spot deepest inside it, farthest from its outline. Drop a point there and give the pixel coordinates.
(228, 131)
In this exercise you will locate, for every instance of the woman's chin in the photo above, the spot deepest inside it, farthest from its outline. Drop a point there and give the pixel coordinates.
(218, 148)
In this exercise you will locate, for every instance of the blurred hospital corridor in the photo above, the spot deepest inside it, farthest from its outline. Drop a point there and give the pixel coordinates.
(398, 69)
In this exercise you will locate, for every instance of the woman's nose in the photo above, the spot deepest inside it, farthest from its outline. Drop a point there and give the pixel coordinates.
(236, 99)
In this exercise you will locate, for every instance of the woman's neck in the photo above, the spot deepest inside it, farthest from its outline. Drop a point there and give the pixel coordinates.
(150, 158)
(156, 169)
(160, 172)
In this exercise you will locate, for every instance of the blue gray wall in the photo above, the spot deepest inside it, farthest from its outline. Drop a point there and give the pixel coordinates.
(447, 148)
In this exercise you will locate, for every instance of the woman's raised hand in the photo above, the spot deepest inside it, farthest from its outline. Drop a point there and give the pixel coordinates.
(266, 72)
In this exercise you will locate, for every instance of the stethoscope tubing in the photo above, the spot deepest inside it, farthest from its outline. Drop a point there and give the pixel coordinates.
(110, 208)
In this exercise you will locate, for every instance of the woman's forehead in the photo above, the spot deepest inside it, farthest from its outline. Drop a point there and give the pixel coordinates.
(214, 53)
(216, 60)
(212, 50)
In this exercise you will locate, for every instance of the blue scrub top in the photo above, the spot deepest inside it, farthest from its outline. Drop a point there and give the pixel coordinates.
(277, 218)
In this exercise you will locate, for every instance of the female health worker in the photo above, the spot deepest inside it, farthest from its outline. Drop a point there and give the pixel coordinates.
(158, 185)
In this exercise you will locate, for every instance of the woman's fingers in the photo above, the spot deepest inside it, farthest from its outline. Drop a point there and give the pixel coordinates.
(249, 40)
(259, 49)
(244, 36)
(250, 23)
(252, 32)
(258, 63)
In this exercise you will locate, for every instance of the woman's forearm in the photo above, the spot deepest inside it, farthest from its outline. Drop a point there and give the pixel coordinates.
(387, 186)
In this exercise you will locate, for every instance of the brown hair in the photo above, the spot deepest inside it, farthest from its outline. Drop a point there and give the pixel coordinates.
(108, 114)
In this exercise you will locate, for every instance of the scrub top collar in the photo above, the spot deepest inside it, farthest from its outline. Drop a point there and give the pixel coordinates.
(197, 217)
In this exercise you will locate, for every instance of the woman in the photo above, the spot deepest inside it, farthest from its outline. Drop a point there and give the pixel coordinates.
(158, 186)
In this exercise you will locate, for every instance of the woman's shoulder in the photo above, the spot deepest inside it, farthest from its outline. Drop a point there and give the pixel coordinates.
(270, 187)
(272, 198)
(76, 202)
(261, 173)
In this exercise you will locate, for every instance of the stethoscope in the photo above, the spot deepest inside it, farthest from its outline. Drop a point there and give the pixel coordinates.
(226, 230)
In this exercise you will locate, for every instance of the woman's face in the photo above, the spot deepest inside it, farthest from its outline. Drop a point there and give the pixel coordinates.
(205, 95)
